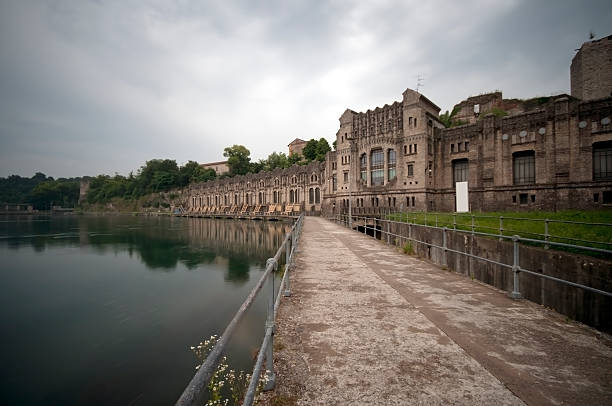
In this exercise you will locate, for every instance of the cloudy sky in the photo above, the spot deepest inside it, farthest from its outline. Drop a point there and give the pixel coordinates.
(89, 87)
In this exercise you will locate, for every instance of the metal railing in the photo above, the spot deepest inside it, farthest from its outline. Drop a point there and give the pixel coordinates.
(502, 225)
(516, 269)
(195, 391)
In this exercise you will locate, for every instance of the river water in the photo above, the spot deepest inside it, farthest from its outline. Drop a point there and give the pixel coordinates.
(103, 310)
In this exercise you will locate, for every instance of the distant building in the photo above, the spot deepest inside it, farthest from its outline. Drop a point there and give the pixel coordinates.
(296, 146)
(219, 167)
(591, 70)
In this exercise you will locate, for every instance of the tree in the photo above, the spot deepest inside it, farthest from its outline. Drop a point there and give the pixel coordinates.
(294, 159)
(310, 150)
(238, 159)
(448, 119)
(334, 144)
(322, 149)
(276, 160)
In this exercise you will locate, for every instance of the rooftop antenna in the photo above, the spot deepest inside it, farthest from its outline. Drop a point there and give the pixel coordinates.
(591, 35)
(420, 80)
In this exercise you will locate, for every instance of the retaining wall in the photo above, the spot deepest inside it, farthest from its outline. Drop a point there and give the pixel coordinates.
(587, 307)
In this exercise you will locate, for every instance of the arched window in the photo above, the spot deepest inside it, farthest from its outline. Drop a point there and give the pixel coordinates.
(377, 167)
(311, 196)
(317, 196)
(291, 196)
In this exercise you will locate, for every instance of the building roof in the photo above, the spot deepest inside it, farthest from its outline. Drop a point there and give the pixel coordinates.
(297, 141)
(213, 163)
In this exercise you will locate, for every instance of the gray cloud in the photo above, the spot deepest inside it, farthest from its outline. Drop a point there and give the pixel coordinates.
(99, 87)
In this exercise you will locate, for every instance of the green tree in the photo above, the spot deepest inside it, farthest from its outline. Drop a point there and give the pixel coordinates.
(294, 159)
(238, 159)
(64, 192)
(276, 160)
(334, 144)
(310, 150)
(322, 149)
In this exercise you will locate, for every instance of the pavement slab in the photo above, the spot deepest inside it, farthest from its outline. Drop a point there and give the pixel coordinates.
(367, 325)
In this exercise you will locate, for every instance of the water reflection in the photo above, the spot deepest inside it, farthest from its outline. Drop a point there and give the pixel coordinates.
(112, 304)
(160, 243)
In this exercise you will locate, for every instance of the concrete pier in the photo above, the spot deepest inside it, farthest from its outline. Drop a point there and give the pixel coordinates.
(367, 324)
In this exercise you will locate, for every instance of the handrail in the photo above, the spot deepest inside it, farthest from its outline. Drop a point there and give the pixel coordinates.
(515, 239)
(546, 237)
(196, 389)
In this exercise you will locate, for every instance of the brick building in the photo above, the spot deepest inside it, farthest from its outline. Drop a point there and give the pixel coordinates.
(296, 146)
(546, 153)
(591, 70)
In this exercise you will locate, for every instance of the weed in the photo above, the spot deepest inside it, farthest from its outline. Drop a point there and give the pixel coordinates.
(408, 248)
(227, 386)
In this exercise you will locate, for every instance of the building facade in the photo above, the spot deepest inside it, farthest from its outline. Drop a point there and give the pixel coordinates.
(591, 70)
(220, 168)
(296, 146)
(547, 153)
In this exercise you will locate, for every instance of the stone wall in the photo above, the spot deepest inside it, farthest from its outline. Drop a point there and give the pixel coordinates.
(301, 185)
(591, 70)
(590, 308)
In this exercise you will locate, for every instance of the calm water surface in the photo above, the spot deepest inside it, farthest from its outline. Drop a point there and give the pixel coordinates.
(103, 310)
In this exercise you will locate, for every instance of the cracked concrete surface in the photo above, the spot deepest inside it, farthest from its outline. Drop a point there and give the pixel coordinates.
(369, 325)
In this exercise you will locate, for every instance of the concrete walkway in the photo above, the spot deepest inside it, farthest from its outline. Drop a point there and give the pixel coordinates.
(369, 325)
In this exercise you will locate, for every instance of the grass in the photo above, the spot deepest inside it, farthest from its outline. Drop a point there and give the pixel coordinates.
(527, 225)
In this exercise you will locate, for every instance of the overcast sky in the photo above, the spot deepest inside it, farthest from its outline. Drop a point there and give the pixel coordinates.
(90, 87)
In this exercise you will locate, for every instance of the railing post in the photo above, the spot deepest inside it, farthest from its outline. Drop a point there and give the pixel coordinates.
(388, 232)
(409, 231)
(516, 294)
(436, 220)
(270, 375)
(501, 227)
(546, 235)
(425, 218)
(472, 225)
(454, 221)
(444, 244)
(287, 291)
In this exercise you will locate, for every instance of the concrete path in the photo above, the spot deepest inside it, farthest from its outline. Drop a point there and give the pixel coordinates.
(368, 325)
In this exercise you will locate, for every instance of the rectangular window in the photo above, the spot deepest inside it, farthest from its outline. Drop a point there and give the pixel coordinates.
(607, 197)
(460, 170)
(345, 177)
(363, 167)
(410, 170)
(452, 148)
(334, 182)
(415, 146)
(524, 167)
(412, 201)
(467, 146)
(523, 198)
(411, 148)
(391, 162)
(595, 197)
(602, 160)
(377, 167)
